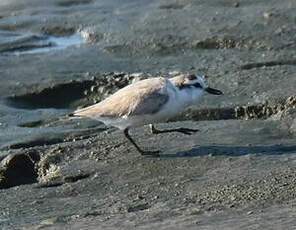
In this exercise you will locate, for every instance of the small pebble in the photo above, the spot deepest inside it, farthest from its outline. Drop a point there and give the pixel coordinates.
(236, 4)
(268, 15)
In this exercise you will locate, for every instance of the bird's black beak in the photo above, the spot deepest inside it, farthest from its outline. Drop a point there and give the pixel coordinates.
(213, 91)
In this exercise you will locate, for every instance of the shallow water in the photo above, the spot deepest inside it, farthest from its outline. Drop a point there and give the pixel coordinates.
(53, 43)
(27, 43)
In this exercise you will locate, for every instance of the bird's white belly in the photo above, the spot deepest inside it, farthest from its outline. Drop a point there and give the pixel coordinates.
(168, 111)
(130, 121)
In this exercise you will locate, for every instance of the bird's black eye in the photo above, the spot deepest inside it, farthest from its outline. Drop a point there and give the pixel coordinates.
(191, 77)
(197, 85)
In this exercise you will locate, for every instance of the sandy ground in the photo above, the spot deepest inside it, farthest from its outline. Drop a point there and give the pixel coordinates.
(238, 172)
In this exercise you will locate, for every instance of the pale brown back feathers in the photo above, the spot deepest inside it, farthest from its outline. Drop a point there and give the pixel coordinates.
(135, 99)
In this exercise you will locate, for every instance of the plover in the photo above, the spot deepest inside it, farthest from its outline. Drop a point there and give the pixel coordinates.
(147, 102)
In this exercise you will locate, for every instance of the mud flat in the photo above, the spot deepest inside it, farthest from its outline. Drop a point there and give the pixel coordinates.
(238, 172)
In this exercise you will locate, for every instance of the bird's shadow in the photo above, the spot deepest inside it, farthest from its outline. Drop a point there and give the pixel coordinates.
(232, 151)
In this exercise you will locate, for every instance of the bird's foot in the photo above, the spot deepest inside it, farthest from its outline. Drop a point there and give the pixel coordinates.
(186, 131)
(179, 130)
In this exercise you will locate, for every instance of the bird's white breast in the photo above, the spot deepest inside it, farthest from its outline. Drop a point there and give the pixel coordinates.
(179, 99)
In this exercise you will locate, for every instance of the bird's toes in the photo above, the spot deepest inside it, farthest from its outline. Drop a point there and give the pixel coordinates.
(188, 131)
(194, 130)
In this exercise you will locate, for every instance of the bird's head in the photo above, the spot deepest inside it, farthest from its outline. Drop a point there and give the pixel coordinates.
(194, 82)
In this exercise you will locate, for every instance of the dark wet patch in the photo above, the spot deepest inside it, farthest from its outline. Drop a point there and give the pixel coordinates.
(267, 64)
(34, 143)
(58, 96)
(17, 169)
(73, 2)
(172, 6)
(49, 184)
(58, 31)
(31, 124)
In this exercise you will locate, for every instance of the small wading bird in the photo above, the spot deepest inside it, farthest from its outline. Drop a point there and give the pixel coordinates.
(148, 101)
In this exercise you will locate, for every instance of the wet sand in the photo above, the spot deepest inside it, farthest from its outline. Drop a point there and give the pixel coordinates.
(238, 172)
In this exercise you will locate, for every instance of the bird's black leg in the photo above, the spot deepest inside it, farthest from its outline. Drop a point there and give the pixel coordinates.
(137, 147)
(180, 130)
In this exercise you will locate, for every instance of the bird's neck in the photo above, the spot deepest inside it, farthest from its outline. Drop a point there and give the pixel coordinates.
(187, 96)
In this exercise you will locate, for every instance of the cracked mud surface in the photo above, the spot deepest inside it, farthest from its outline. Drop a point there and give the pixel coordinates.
(237, 172)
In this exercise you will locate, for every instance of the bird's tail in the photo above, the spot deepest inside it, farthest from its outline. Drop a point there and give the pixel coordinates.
(70, 116)
(64, 118)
